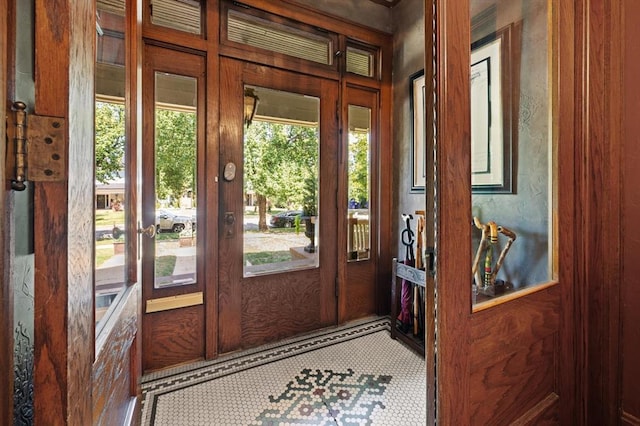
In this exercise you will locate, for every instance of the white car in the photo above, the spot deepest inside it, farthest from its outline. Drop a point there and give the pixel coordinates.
(170, 222)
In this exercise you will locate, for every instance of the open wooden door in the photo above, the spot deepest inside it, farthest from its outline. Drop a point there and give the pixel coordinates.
(504, 349)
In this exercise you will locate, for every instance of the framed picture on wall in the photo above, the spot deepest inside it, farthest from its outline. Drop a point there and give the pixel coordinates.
(492, 123)
(418, 132)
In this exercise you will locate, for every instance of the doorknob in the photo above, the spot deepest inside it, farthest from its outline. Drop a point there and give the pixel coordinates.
(149, 231)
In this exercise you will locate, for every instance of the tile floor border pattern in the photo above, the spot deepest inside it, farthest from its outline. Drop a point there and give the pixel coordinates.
(166, 382)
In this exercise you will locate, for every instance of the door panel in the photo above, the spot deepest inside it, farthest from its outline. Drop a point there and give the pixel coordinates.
(359, 206)
(510, 358)
(257, 308)
(116, 368)
(173, 172)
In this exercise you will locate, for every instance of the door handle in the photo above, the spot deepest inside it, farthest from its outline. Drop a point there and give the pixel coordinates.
(229, 222)
(149, 231)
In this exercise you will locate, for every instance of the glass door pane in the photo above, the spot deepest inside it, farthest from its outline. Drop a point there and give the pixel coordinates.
(175, 179)
(281, 180)
(359, 182)
(110, 159)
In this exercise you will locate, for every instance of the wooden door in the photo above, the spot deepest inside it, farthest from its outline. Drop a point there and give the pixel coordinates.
(359, 205)
(173, 172)
(510, 358)
(117, 364)
(294, 132)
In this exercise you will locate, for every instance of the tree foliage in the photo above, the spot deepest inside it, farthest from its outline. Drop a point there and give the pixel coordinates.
(359, 167)
(175, 138)
(176, 151)
(109, 141)
(278, 159)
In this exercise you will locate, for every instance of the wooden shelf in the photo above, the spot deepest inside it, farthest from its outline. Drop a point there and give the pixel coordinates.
(416, 277)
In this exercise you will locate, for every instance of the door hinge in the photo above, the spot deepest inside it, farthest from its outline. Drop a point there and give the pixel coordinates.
(36, 147)
(337, 288)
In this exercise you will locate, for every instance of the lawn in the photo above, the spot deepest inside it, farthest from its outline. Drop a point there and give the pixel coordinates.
(109, 217)
(165, 266)
(265, 257)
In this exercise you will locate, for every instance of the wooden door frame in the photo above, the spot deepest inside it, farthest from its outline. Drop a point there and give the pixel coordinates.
(64, 322)
(453, 129)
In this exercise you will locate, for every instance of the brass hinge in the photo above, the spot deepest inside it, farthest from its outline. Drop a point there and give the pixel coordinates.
(36, 147)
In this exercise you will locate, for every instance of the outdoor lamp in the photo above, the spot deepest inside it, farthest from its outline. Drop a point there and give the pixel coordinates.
(250, 105)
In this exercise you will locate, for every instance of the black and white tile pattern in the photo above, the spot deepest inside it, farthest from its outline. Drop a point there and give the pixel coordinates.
(350, 375)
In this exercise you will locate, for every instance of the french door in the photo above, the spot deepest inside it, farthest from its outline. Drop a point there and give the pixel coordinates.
(172, 202)
(278, 215)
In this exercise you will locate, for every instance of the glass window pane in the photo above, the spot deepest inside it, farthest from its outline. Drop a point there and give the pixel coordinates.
(175, 170)
(183, 15)
(358, 180)
(281, 177)
(511, 162)
(110, 161)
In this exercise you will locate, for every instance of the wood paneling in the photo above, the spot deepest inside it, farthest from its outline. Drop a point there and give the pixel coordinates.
(501, 364)
(64, 323)
(629, 368)
(259, 309)
(280, 307)
(112, 378)
(453, 173)
(173, 337)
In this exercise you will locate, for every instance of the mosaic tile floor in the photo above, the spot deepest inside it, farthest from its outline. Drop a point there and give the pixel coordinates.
(351, 375)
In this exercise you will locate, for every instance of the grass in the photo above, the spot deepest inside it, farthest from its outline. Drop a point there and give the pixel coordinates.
(265, 257)
(109, 217)
(103, 254)
(165, 266)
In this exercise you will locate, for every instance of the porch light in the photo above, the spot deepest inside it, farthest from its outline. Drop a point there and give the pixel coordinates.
(250, 105)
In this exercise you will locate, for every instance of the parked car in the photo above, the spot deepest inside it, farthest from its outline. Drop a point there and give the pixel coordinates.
(167, 221)
(284, 219)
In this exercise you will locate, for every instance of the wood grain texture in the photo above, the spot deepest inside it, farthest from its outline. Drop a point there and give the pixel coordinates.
(229, 249)
(513, 382)
(565, 64)
(629, 368)
(80, 319)
(112, 377)
(310, 294)
(494, 354)
(453, 173)
(64, 323)
(546, 412)
(173, 337)
(279, 307)
(386, 217)
(211, 186)
(514, 326)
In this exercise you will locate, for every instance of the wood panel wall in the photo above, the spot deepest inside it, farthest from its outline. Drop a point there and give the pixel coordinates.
(600, 216)
(64, 323)
(629, 374)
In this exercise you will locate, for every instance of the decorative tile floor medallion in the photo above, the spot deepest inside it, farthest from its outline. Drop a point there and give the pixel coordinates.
(314, 394)
(350, 375)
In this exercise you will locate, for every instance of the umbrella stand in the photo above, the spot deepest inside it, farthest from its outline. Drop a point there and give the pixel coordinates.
(406, 294)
